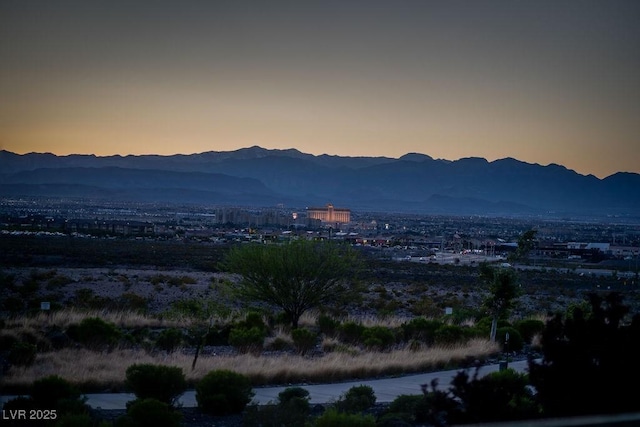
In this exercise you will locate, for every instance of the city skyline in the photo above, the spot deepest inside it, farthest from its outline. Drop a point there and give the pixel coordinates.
(542, 82)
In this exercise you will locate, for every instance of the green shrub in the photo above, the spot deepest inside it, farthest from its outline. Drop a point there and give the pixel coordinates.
(153, 413)
(163, 383)
(280, 344)
(411, 404)
(529, 328)
(247, 340)
(499, 396)
(253, 320)
(291, 393)
(328, 325)
(395, 419)
(333, 418)
(378, 337)
(169, 339)
(351, 332)
(223, 392)
(22, 354)
(356, 399)
(292, 410)
(94, 332)
(218, 335)
(271, 415)
(421, 329)
(515, 339)
(281, 318)
(450, 334)
(47, 391)
(293, 405)
(303, 339)
(54, 392)
(483, 326)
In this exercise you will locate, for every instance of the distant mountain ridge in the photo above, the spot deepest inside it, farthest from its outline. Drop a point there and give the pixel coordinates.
(255, 176)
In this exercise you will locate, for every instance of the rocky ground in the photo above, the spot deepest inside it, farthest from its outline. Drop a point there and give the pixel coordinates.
(398, 289)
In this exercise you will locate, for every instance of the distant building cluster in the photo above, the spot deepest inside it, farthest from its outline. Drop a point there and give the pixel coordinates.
(256, 218)
(330, 214)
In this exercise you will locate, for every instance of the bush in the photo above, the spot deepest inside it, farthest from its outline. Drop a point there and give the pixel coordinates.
(46, 392)
(357, 399)
(253, 320)
(217, 335)
(328, 325)
(54, 392)
(515, 339)
(351, 332)
(223, 392)
(94, 332)
(292, 393)
(293, 406)
(333, 418)
(498, 396)
(412, 406)
(22, 354)
(450, 334)
(247, 340)
(378, 337)
(421, 329)
(163, 383)
(303, 339)
(152, 413)
(279, 344)
(169, 339)
(483, 326)
(529, 328)
(292, 410)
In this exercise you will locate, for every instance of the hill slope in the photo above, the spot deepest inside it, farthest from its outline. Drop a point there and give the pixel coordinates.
(260, 177)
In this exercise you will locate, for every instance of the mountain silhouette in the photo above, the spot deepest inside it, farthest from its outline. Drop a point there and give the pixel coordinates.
(254, 176)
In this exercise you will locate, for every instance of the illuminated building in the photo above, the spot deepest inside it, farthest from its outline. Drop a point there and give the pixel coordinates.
(329, 214)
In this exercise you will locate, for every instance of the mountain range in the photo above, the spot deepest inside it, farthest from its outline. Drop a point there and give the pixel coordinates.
(259, 177)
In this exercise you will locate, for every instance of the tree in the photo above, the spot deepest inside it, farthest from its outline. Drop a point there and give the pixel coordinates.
(503, 293)
(201, 313)
(526, 242)
(589, 359)
(296, 276)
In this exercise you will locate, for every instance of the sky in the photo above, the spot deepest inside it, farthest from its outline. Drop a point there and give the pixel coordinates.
(539, 81)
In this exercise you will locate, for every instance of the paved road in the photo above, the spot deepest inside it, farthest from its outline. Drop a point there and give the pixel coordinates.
(386, 390)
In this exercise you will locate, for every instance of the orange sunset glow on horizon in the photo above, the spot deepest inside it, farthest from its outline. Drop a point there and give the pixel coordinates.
(541, 82)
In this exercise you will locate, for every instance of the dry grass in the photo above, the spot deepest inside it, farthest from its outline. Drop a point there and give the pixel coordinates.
(310, 318)
(66, 317)
(99, 371)
(123, 319)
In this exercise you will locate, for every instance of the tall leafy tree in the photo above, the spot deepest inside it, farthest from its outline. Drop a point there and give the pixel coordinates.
(526, 242)
(503, 293)
(589, 360)
(296, 276)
